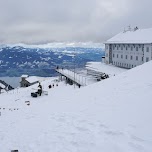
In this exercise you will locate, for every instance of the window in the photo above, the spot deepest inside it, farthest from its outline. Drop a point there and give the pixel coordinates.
(126, 56)
(117, 47)
(121, 47)
(131, 48)
(130, 57)
(113, 55)
(113, 46)
(137, 58)
(147, 49)
(126, 48)
(142, 59)
(107, 47)
(137, 48)
(107, 55)
(117, 56)
(147, 59)
(122, 56)
(132, 66)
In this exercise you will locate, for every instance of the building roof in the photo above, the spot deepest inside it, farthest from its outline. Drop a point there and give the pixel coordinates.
(138, 36)
(24, 76)
(2, 86)
(32, 79)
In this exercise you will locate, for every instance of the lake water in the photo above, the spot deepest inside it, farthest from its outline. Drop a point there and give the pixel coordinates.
(13, 81)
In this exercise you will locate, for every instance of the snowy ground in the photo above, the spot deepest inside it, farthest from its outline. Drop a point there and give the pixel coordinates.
(113, 115)
(111, 70)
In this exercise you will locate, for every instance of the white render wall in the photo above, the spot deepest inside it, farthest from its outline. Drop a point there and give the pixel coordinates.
(147, 52)
(107, 54)
(128, 55)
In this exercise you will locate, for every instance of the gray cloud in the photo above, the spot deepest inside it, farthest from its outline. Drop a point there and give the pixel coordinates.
(40, 21)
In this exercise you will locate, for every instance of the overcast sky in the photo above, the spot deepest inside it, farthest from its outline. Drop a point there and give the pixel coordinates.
(44, 21)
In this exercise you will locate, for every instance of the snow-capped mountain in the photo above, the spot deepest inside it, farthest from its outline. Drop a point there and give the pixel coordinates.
(58, 45)
(41, 59)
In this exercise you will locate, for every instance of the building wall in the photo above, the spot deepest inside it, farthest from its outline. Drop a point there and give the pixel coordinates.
(24, 83)
(147, 52)
(107, 53)
(128, 55)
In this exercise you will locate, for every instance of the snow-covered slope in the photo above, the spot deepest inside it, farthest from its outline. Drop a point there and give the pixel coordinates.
(113, 115)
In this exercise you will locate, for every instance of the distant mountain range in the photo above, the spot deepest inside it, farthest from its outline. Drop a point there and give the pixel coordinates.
(16, 60)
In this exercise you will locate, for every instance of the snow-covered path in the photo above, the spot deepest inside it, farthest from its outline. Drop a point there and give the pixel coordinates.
(113, 115)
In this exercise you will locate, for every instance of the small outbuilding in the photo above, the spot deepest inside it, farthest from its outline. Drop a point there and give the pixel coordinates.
(0, 89)
(27, 81)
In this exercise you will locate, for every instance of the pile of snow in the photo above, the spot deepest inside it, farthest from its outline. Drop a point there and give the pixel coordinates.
(113, 115)
(32, 79)
(109, 69)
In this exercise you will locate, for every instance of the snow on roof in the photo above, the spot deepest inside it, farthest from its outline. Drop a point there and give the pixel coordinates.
(24, 76)
(2, 86)
(104, 68)
(139, 36)
(32, 79)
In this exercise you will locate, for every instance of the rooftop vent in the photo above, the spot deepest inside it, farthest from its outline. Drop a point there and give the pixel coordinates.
(136, 28)
(130, 29)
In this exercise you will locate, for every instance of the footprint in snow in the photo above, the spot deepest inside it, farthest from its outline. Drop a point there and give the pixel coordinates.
(82, 129)
(138, 139)
(103, 126)
(113, 133)
(138, 147)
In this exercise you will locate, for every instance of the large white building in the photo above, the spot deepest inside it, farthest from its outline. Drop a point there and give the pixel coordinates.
(129, 48)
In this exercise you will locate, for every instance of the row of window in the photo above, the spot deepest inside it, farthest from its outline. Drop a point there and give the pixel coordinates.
(124, 65)
(126, 57)
(131, 57)
(126, 47)
(119, 64)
